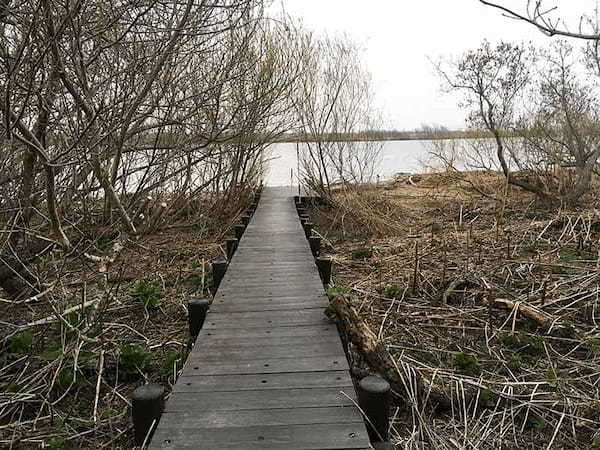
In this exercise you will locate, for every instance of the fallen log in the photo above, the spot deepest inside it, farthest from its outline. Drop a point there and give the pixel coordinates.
(379, 359)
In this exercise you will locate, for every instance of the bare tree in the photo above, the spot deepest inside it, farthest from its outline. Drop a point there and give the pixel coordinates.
(333, 106)
(539, 13)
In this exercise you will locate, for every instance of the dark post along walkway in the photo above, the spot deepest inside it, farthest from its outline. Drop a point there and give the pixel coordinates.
(268, 370)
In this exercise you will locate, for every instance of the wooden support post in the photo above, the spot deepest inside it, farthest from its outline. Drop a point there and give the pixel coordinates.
(308, 227)
(239, 230)
(245, 219)
(315, 245)
(147, 405)
(324, 265)
(231, 247)
(218, 272)
(374, 398)
(197, 309)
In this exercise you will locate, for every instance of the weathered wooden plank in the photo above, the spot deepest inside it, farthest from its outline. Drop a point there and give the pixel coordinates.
(256, 417)
(263, 399)
(268, 291)
(286, 437)
(253, 382)
(267, 304)
(230, 353)
(266, 319)
(269, 365)
(274, 333)
(243, 341)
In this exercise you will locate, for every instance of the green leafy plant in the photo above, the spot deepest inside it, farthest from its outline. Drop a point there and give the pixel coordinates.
(52, 351)
(391, 290)
(147, 294)
(514, 363)
(566, 331)
(467, 364)
(132, 359)
(170, 361)
(593, 346)
(486, 398)
(531, 349)
(20, 343)
(362, 253)
(336, 289)
(436, 228)
(57, 443)
(552, 376)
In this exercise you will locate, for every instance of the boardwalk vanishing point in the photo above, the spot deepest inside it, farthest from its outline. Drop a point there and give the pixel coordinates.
(268, 370)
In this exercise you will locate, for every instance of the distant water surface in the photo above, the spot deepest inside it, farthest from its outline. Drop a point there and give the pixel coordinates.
(396, 156)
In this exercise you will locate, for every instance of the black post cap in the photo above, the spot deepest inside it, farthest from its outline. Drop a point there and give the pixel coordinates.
(374, 397)
(197, 309)
(239, 230)
(231, 245)
(218, 272)
(324, 265)
(315, 245)
(147, 405)
(308, 227)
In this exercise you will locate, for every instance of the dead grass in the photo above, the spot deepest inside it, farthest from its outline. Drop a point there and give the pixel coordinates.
(445, 261)
(66, 378)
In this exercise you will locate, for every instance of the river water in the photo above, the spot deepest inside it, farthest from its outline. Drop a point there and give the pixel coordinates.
(396, 156)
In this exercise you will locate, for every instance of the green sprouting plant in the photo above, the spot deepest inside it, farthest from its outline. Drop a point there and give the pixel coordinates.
(20, 343)
(103, 243)
(593, 346)
(13, 388)
(523, 346)
(147, 294)
(566, 331)
(57, 443)
(52, 351)
(596, 442)
(196, 265)
(436, 228)
(552, 376)
(486, 398)
(133, 358)
(514, 363)
(195, 281)
(109, 413)
(467, 364)
(336, 289)
(362, 253)
(170, 361)
(538, 423)
(66, 378)
(391, 290)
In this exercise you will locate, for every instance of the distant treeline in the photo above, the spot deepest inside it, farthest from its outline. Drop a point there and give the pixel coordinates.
(384, 135)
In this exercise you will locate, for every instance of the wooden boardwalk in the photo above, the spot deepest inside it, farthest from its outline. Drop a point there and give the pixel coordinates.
(268, 370)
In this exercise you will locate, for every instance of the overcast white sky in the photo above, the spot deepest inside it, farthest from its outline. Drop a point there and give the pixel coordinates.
(400, 35)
